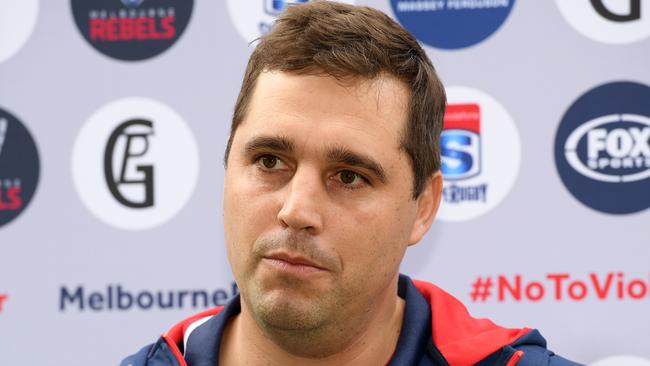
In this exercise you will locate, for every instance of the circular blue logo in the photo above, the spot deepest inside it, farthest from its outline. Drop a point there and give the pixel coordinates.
(452, 24)
(19, 167)
(602, 148)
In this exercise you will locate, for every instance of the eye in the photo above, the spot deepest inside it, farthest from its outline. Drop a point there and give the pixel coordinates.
(351, 179)
(270, 162)
(348, 177)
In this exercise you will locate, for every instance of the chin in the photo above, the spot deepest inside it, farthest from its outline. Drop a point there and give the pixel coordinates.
(291, 312)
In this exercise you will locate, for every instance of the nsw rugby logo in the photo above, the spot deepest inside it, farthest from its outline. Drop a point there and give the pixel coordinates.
(602, 148)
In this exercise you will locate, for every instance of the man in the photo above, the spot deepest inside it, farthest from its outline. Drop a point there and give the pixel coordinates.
(332, 171)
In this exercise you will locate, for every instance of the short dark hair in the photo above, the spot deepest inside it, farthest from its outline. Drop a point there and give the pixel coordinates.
(346, 41)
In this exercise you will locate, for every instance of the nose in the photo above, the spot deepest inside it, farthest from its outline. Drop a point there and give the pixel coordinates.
(302, 202)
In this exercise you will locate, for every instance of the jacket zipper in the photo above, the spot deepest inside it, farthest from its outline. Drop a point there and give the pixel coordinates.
(177, 353)
(515, 358)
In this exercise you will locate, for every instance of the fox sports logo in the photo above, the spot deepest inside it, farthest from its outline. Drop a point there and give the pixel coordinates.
(617, 148)
(603, 148)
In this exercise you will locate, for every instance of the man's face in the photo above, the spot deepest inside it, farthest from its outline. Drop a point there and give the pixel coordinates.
(318, 206)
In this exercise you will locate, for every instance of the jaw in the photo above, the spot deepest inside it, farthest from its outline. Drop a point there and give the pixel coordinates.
(321, 327)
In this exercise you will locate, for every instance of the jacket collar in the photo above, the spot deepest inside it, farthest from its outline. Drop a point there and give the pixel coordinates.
(435, 323)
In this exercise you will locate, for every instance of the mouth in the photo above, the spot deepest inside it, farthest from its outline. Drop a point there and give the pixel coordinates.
(292, 264)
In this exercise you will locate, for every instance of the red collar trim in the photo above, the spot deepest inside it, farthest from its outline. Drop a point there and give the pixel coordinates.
(174, 336)
(462, 339)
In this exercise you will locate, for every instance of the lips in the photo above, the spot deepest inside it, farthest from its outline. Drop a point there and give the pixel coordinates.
(293, 262)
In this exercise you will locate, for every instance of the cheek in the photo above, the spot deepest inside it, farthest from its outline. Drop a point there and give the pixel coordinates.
(373, 239)
(384, 219)
(245, 215)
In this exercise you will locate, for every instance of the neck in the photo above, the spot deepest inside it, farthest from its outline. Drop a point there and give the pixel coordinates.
(369, 338)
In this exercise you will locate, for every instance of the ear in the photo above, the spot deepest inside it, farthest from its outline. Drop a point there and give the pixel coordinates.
(427, 206)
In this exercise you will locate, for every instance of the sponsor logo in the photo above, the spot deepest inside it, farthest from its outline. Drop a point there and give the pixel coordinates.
(480, 153)
(614, 154)
(622, 361)
(131, 29)
(608, 21)
(559, 287)
(17, 21)
(150, 163)
(115, 297)
(131, 131)
(634, 12)
(275, 7)
(255, 18)
(3, 300)
(460, 142)
(19, 167)
(3, 132)
(452, 24)
(602, 148)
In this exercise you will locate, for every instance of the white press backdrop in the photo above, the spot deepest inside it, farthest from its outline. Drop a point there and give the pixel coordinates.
(74, 256)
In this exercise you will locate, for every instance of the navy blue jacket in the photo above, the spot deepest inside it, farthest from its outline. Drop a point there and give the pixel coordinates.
(437, 330)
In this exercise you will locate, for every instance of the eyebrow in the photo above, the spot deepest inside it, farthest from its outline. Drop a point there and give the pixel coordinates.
(345, 156)
(275, 143)
(336, 154)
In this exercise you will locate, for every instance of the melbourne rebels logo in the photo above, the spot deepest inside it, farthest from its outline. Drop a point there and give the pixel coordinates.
(132, 29)
(254, 18)
(602, 148)
(19, 167)
(452, 24)
(150, 163)
(608, 21)
(133, 132)
(480, 152)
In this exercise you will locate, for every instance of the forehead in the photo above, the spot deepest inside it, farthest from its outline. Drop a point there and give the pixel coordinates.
(317, 110)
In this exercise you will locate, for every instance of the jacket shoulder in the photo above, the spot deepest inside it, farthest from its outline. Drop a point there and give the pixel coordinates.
(155, 354)
(465, 340)
(167, 351)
